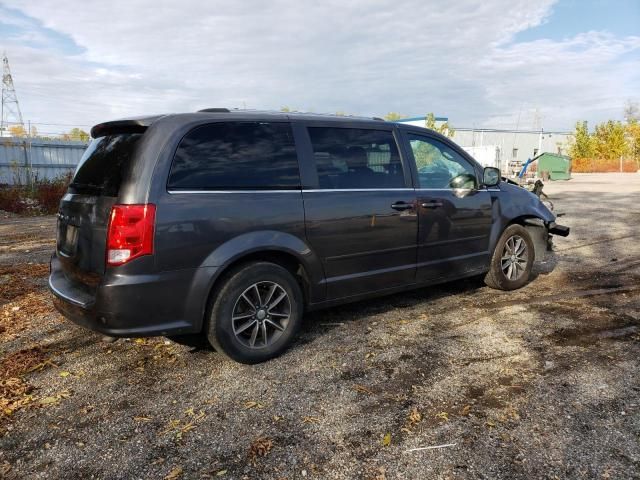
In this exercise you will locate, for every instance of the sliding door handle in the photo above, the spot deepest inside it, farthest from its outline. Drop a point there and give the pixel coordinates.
(431, 204)
(402, 206)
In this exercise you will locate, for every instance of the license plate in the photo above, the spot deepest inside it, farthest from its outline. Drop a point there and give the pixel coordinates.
(70, 239)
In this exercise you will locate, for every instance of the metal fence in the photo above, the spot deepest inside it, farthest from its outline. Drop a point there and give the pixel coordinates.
(23, 160)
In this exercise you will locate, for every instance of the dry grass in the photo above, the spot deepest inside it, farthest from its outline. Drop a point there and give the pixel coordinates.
(19, 280)
(15, 392)
(23, 304)
(18, 363)
(20, 315)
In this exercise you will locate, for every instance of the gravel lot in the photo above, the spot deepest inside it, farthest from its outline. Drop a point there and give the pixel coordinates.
(538, 383)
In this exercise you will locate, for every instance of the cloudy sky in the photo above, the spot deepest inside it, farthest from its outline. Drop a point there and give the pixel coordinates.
(493, 63)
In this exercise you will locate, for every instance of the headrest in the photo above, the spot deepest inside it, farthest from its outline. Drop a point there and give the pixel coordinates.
(356, 158)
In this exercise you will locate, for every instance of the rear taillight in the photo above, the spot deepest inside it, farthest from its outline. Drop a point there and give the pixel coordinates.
(130, 232)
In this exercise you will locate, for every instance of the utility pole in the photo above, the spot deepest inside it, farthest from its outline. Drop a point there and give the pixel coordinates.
(10, 107)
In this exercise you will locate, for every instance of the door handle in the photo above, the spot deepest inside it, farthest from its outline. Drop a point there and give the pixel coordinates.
(402, 206)
(431, 204)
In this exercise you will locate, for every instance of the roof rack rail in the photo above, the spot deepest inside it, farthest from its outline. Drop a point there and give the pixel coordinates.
(378, 118)
(215, 110)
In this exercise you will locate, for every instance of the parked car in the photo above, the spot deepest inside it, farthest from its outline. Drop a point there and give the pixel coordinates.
(231, 224)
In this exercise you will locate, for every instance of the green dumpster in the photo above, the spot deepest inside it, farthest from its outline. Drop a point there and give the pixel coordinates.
(557, 167)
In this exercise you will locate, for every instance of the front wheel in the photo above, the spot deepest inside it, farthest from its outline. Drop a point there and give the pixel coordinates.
(512, 259)
(255, 313)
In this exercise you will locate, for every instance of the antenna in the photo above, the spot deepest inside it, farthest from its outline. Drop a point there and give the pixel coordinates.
(10, 106)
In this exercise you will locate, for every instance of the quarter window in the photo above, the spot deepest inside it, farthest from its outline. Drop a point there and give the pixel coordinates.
(439, 166)
(356, 158)
(236, 155)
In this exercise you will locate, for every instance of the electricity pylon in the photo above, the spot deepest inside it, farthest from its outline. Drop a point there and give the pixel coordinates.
(10, 114)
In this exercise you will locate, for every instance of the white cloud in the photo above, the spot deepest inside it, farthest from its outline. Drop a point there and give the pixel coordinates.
(365, 57)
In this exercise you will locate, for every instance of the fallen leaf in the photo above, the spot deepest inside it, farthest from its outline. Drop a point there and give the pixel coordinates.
(386, 440)
(49, 400)
(173, 474)
(64, 374)
(260, 448)
(221, 473)
(250, 404)
(310, 420)
(443, 416)
(414, 417)
(142, 419)
(362, 389)
(465, 410)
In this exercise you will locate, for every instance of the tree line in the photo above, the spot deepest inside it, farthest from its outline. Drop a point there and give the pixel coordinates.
(75, 134)
(611, 146)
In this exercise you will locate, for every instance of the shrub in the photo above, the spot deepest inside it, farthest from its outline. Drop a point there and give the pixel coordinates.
(49, 192)
(43, 197)
(602, 165)
(12, 200)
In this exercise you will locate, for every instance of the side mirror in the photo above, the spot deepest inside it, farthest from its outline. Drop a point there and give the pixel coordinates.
(491, 176)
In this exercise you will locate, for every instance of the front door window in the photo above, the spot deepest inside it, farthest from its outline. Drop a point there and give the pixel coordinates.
(439, 166)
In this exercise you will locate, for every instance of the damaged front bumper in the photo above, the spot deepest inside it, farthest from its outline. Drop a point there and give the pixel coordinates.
(541, 233)
(554, 229)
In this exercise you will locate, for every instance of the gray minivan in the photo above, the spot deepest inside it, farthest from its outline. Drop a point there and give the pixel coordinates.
(230, 224)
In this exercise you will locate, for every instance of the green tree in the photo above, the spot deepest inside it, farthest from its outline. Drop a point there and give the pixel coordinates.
(77, 134)
(632, 130)
(582, 144)
(609, 140)
(444, 129)
(393, 116)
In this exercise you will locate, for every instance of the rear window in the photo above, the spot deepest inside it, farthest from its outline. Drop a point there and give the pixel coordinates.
(103, 165)
(236, 155)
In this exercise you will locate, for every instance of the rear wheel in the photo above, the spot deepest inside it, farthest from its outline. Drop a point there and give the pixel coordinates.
(512, 259)
(255, 313)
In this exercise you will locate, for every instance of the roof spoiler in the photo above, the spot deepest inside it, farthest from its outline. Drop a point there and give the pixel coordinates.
(130, 125)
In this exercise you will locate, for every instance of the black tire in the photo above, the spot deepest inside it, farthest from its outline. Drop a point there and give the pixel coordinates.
(520, 272)
(232, 300)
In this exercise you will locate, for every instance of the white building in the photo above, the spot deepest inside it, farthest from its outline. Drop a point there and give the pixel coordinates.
(505, 149)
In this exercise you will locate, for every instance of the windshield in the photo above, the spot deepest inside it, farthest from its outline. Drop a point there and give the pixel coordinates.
(103, 164)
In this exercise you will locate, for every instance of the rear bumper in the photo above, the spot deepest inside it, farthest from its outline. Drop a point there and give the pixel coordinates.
(165, 303)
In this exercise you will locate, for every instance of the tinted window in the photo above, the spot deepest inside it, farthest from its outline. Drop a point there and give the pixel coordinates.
(236, 155)
(356, 158)
(103, 165)
(439, 166)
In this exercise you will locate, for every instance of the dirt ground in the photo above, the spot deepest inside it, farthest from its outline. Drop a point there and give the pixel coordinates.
(539, 383)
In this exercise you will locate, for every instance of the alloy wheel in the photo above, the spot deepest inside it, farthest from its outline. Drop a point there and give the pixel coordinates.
(261, 314)
(515, 256)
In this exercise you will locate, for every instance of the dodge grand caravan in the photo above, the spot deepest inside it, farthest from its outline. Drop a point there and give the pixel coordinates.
(231, 224)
